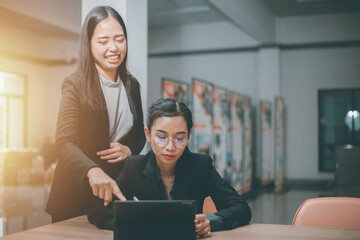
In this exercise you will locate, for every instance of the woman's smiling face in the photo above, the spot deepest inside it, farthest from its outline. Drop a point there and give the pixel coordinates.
(173, 129)
(108, 46)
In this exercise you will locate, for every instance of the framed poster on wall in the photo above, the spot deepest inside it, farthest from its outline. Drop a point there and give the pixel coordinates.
(220, 152)
(279, 143)
(202, 116)
(247, 142)
(265, 157)
(176, 89)
(237, 135)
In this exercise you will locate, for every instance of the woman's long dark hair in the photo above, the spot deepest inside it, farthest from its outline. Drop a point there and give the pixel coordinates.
(90, 93)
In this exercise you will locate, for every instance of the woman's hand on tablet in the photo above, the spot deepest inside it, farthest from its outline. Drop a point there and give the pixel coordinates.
(202, 226)
(103, 186)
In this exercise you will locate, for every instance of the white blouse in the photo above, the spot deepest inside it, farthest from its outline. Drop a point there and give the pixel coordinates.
(121, 119)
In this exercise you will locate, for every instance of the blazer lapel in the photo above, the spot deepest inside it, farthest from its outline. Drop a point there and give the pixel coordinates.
(182, 184)
(149, 186)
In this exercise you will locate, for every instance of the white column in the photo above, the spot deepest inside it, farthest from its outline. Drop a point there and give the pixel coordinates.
(134, 13)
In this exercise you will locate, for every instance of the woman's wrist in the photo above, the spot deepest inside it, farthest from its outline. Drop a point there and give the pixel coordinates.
(92, 171)
(127, 150)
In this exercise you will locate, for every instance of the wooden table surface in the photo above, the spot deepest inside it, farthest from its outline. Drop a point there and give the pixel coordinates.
(79, 228)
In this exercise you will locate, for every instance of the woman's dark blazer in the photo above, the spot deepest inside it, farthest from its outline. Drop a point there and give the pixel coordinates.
(79, 135)
(196, 179)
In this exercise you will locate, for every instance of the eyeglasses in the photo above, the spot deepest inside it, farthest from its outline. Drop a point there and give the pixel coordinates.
(162, 141)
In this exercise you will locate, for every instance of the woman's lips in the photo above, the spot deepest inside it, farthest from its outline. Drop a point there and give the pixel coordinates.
(168, 156)
(113, 59)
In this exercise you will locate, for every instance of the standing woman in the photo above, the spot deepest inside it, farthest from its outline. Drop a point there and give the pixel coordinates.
(100, 120)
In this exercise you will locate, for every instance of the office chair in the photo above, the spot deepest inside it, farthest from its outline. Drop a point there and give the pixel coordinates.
(329, 212)
(209, 206)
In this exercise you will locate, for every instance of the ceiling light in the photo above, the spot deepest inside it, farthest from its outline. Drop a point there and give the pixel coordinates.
(183, 11)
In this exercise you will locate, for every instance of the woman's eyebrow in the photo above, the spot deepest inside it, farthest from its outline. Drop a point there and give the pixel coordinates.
(102, 37)
(159, 130)
(181, 132)
(162, 131)
(106, 37)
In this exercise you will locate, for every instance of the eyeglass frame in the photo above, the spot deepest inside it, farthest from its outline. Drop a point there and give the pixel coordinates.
(173, 140)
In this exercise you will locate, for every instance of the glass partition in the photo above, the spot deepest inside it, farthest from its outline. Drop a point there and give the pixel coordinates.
(338, 123)
(356, 117)
(12, 110)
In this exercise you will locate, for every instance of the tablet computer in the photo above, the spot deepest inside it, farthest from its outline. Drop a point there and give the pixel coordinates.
(154, 219)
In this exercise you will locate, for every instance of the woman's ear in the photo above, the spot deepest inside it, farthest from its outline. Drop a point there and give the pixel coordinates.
(190, 133)
(147, 134)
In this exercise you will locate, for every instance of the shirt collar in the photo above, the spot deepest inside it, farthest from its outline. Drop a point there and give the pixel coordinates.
(109, 83)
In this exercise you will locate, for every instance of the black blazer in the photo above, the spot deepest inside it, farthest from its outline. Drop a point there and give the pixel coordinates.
(79, 135)
(195, 179)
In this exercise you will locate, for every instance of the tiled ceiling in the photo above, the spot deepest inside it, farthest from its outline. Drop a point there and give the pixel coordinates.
(286, 8)
(34, 25)
(179, 12)
(163, 13)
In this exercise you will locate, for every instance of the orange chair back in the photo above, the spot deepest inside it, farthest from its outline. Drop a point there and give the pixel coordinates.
(329, 212)
(209, 206)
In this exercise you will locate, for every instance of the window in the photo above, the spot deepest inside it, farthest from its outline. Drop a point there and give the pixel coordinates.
(12, 110)
(339, 123)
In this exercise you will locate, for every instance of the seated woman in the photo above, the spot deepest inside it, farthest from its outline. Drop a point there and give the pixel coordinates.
(171, 171)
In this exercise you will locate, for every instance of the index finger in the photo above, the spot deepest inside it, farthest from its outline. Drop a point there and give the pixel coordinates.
(118, 193)
(106, 152)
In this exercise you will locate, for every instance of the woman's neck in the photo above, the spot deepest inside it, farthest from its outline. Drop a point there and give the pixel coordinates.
(167, 171)
(111, 76)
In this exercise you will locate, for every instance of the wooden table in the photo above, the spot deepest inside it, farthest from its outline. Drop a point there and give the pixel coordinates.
(79, 228)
